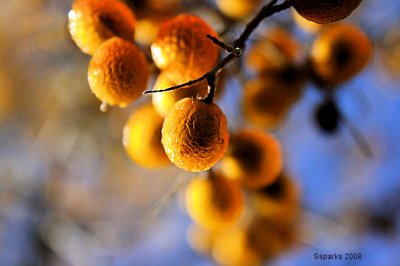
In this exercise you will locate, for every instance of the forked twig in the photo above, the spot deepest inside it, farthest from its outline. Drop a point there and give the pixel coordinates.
(234, 51)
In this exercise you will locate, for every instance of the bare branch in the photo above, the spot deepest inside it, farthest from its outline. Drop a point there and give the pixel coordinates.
(234, 51)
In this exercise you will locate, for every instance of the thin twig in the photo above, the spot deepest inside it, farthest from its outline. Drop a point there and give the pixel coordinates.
(229, 48)
(234, 51)
(359, 138)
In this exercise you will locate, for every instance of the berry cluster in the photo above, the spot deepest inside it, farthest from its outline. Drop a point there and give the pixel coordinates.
(184, 126)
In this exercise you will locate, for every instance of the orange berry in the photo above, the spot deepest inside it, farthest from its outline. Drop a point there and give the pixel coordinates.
(278, 202)
(269, 238)
(148, 23)
(118, 72)
(195, 134)
(254, 158)
(7, 95)
(232, 248)
(276, 51)
(390, 50)
(237, 9)
(200, 239)
(214, 203)
(182, 46)
(142, 138)
(306, 25)
(91, 22)
(326, 11)
(164, 101)
(339, 53)
(266, 101)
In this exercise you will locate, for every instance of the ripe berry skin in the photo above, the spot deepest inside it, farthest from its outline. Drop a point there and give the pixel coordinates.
(118, 72)
(195, 134)
(91, 22)
(254, 158)
(164, 101)
(214, 202)
(325, 11)
(182, 45)
(237, 9)
(339, 53)
(278, 201)
(276, 51)
(266, 101)
(142, 138)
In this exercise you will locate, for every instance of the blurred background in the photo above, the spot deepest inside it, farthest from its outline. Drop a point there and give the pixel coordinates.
(69, 195)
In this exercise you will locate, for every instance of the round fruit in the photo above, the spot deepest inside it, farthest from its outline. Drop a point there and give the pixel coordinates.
(276, 51)
(214, 202)
(118, 72)
(142, 138)
(182, 46)
(326, 11)
(327, 116)
(254, 158)
(266, 102)
(279, 201)
(200, 239)
(7, 95)
(306, 25)
(91, 22)
(268, 238)
(231, 247)
(237, 9)
(164, 101)
(195, 134)
(339, 53)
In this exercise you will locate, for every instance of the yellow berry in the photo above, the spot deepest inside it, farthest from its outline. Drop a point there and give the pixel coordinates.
(339, 53)
(278, 201)
(254, 158)
(164, 101)
(266, 101)
(214, 203)
(275, 51)
(91, 22)
(200, 239)
(237, 9)
(232, 248)
(142, 138)
(306, 25)
(118, 72)
(269, 238)
(182, 46)
(195, 134)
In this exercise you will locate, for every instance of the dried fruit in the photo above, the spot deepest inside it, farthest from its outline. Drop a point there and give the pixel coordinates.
(195, 134)
(326, 11)
(91, 22)
(118, 72)
(142, 138)
(306, 25)
(182, 46)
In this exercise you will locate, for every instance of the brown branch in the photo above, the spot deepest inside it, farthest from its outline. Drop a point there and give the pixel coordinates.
(234, 51)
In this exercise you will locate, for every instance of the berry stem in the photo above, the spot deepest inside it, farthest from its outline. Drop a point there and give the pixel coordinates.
(104, 107)
(234, 51)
